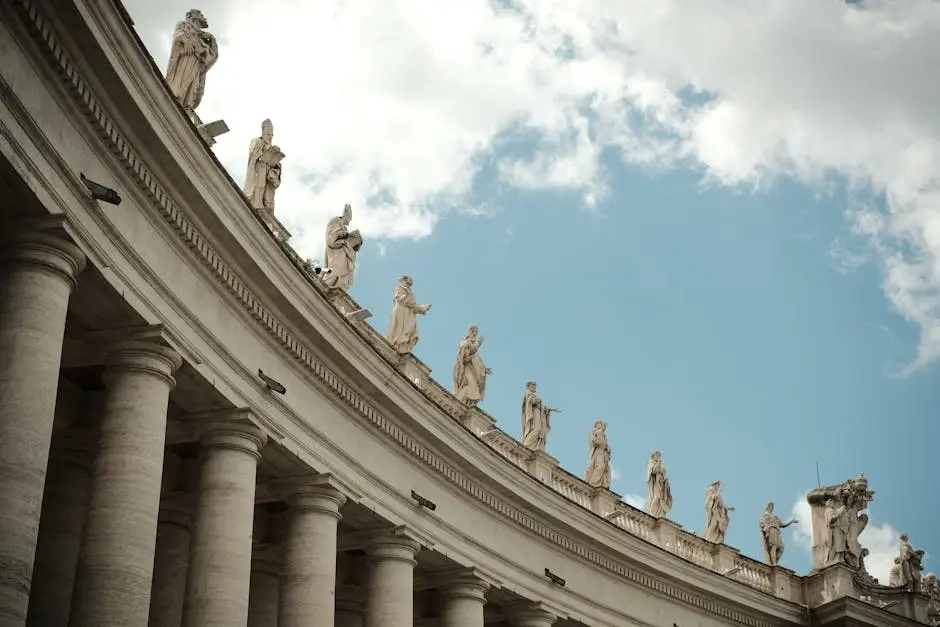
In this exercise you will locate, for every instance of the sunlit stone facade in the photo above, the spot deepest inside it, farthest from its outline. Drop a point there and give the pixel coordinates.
(149, 476)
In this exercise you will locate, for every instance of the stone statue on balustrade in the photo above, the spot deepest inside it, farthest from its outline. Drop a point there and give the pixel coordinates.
(263, 175)
(838, 521)
(402, 331)
(536, 419)
(658, 491)
(912, 565)
(716, 514)
(771, 536)
(598, 470)
(342, 248)
(194, 51)
(469, 370)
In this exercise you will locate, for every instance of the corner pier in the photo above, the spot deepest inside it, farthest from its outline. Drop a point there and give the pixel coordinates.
(186, 267)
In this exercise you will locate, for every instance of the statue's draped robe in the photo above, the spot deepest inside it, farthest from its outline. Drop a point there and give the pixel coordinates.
(716, 517)
(403, 327)
(342, 248)
(658, 491)
(771, 537)
(193, 53)
(535, 422)
(598, 470)
(256, 178)
(469, 372)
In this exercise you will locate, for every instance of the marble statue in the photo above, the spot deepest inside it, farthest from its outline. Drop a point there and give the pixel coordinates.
(535, 419)
(716, 514)
(894, 578)
(263, 176)
(912, 564)
(193, 53)
(342, 247)
(598, 470)
(402, 331)
(771, 536)
(469, 370)
(658, 491)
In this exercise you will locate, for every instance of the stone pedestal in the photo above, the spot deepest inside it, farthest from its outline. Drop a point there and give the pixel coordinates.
(68, 482)
(217, 590)
(308, 586)
(540, 465)
(264, 598)
(390, 591)
(171, 562)
(38, 276)
(115, 566)
(464, 599)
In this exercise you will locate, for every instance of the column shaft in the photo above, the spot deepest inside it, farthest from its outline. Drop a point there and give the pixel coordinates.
(308, 587)
(68, 484)
(390, 592)
(264, 598)
(115, 566)
(218, 588)
(171, 561)
(38, 277)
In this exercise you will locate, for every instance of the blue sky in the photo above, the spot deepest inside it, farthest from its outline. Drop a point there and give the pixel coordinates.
(713, 226)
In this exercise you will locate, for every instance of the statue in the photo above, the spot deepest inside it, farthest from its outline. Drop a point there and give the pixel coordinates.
(716, 514)
(894, 578)
(598, 470)
(193, 54)
(771, 537)
(469, 370)
(912, 564)
(342, 247)
(264, 169)
(658, 492)
(402, 331)
(535, 419)
(838, 521)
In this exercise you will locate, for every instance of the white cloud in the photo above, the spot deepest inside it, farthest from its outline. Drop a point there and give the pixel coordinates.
(882, 541)
(636, 501)
(395, 105)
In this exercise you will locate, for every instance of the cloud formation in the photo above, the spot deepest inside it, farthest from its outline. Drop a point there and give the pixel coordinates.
(398, 106)
(882, 541)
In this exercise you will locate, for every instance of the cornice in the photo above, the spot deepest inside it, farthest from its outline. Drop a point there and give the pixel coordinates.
(210, 258)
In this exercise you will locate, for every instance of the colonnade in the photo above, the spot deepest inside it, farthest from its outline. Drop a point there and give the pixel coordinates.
(95, 530)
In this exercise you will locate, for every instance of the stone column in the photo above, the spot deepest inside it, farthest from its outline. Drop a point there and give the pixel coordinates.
(532, 617)
(390, 591)
(37, 277)
(171, 562)
(464, 598)
(350, 606)
(115, 565)
(264, 597)
(68, 481)
(308, 586)
(218, 587)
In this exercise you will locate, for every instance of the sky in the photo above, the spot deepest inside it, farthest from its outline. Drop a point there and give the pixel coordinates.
(715, 226)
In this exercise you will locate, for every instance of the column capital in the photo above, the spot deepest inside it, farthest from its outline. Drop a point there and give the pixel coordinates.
(266, 558)
(47, 252)
(149, 357)
(314, 493)
(176, 508)
(532, 616)
(233, 430)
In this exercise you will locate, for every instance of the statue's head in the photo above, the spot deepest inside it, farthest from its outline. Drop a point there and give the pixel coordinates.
(196, 17)
(347, 213)
(267, 130)
(769, 508)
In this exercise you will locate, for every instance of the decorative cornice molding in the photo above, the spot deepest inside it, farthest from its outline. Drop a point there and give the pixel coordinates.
(43, 33)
